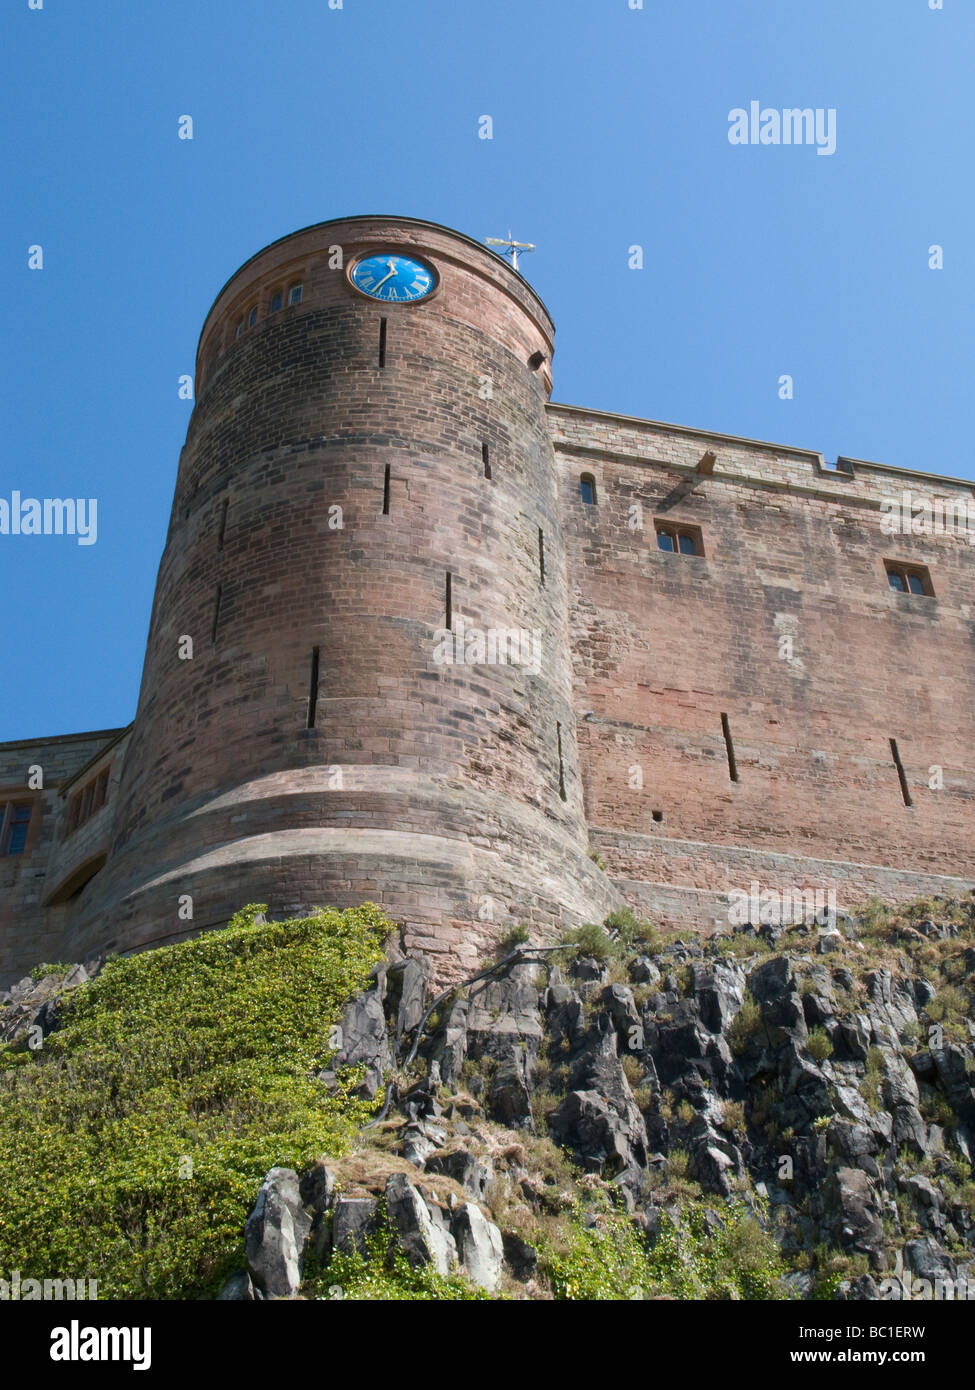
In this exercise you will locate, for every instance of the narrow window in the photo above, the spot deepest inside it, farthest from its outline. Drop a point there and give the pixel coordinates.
(216, 613)
(658, 816)
(558, 740)
(17, 826)
(386, 491)
(101, 790)
(729, 748)
(252, 317)
(74, 812)
(313, 688)
(239, 329)
(294, 294)
(223, 523)
(449, 604)
(486, 460)
(277, 299)
(901, 774)
(909, 579)
(541, 556)
(587, 489)
(382, 342)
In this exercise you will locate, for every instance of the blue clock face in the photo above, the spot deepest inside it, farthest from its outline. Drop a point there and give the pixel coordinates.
(393, 279)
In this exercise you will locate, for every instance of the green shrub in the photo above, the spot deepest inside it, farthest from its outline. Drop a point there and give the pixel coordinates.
(133, 1143)
(353, 1278)
(516, 937)
(59, 967)
(631, 930)
(949, 1005)
(745, 1026)
(818, 1044)
(589, 940)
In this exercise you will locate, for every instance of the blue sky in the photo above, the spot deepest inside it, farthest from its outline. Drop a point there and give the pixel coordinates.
(610, 130)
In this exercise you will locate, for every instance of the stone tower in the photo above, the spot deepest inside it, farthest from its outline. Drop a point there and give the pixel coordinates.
(360, 479)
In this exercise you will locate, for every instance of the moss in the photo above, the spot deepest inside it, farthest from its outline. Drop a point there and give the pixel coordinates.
(57, 968)
(133, 1144)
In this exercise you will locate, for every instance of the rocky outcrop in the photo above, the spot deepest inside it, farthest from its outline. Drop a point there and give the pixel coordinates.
(764, 1067)
(829, 1090)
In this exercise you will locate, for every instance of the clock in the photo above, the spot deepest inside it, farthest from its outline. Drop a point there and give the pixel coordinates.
(393, 278)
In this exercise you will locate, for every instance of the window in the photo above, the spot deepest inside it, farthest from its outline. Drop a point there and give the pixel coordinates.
(252, 317)
(587, 489)
(679, 540)
(909, 579)
(277, 299)
(294, 294)
(89, 799)
(15, 822)
(239, 329)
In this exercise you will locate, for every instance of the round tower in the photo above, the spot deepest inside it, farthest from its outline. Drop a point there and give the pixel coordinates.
(357, 681)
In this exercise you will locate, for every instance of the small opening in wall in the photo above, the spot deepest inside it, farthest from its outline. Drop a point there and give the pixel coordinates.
(386, 490)
(729, 748)
(679, 540)
(909, 579)
(313, 688)
(587, 489)
(658, 816)
(486, 460)
(558, 741)
(216, 613)
(901, 774)
(14, 824)
(277, 299)
(541, 556)
(382, 342)
(223, 523)
(536, 360)
(449, 602)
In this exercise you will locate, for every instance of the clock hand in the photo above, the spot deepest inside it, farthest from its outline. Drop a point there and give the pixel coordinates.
(388, 276)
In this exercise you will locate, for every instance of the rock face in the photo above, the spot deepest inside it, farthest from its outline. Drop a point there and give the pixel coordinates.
(29, 1010)
(832, 1094)
(275, 1235)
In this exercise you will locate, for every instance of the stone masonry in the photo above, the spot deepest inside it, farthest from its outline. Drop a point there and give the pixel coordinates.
(353, 469)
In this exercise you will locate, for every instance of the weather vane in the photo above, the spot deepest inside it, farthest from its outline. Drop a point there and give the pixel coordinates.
(511, 247)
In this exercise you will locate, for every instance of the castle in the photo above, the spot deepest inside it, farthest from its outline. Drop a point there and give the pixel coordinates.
(421, 636)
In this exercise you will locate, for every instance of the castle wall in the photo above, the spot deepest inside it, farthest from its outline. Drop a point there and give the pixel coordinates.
(664, 644)
(676, 728)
